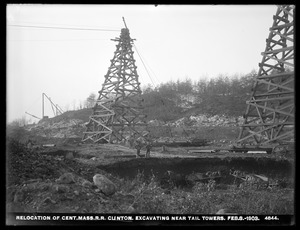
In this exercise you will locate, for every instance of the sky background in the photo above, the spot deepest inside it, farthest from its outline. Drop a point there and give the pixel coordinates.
(174, 41)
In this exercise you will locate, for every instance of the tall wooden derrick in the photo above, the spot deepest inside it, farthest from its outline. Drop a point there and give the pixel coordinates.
(269, 115)
(118, 111)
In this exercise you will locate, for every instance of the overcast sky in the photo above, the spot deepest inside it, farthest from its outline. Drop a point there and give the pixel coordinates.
(174, 41)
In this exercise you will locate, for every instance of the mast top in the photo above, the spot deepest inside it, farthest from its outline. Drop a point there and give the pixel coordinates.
(124, 22)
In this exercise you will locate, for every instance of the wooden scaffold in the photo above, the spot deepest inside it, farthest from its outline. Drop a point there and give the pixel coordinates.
(269, 116)
(118, 111)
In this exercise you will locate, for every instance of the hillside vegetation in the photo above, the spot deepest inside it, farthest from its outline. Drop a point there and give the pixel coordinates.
(220, 96)
(173, 100)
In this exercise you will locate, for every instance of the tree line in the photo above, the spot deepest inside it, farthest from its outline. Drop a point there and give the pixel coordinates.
(224, 95)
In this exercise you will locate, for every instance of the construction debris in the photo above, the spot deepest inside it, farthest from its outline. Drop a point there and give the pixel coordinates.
(253, 180)
(179, 142)
(206, 120)
(203, 177)
(66, 128)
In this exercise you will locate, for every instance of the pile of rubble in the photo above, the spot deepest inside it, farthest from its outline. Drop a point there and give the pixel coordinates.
(204, 120)
(71, 128)
(45, 183)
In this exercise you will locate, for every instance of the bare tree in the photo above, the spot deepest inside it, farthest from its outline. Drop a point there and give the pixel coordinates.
(90, 101)
(20, 122)
(67, 107)
(81, 105)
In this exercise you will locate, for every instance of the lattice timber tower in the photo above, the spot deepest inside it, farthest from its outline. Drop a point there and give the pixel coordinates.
(269, 117)
(118, 111)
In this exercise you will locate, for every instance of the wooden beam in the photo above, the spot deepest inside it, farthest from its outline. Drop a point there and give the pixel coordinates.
(109, 83)
(278, 50)
(136, 124)
(284, 74)
(274, 94)
(255, 133)
(267, 124)
(271, 109)
(269, 40)
(285, 120)
(276, 17)
(271, 99)
(290, 133)
(281, 61)
(276, 85)
(284, 36)
(271, 66)
(103, 115)
(96, 132)
(288, 80)
(282, 26)
(101, 124)
(102, 137)
(286, 11)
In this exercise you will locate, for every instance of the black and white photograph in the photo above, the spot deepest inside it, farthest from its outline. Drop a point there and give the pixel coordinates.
(150, 114)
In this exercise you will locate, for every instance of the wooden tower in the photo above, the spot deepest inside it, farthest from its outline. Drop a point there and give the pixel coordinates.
(118, 111)
(269, 115)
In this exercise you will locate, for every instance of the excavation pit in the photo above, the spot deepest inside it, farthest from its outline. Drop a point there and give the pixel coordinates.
(180, 167)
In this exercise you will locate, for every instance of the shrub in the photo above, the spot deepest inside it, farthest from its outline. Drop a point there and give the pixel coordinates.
(150, 197)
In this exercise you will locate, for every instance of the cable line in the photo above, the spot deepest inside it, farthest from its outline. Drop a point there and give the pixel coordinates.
(62, 28)
(60, 40)
(144, 66)
(162, 98)
(62, 25)
(155, 77)
(33, 103)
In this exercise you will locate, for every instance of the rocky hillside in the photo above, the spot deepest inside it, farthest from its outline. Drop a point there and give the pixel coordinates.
(81, 114)
(71, 125)
(207, 103)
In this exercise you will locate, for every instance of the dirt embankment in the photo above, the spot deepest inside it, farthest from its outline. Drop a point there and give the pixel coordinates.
(158, 166)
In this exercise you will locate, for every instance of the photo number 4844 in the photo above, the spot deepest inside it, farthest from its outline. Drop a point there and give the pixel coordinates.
(271, 218)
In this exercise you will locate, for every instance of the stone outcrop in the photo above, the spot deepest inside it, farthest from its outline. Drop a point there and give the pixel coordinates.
(105, 185)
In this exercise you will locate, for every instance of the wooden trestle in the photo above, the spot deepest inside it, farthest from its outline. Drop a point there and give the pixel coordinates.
(118, 111)
(269, 115)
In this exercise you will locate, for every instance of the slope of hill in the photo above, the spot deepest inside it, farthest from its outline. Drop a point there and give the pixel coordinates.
(81, 114)
(215, 103)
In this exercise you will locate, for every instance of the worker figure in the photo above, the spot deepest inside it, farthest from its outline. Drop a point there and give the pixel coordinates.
(148, 142)
(148, 147)
(138, 145)
(131, 140)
